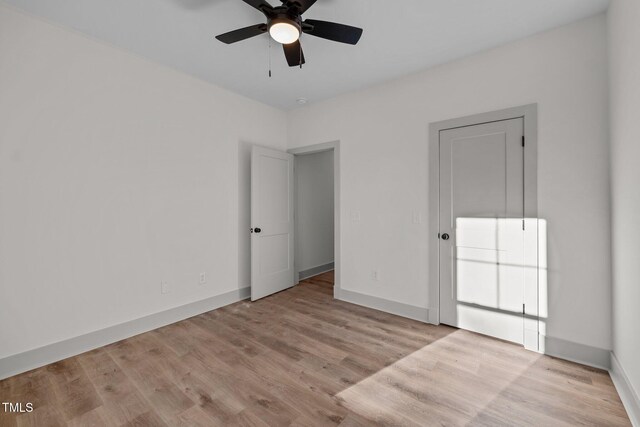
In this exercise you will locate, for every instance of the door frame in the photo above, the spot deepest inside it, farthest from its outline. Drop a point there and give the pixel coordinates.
(318, 148)
(529, 114)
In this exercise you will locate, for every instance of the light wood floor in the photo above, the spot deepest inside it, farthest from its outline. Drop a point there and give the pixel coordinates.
(301, 358)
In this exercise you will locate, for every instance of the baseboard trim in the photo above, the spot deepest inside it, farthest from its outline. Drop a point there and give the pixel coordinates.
(31, 359)
(434, 316)
(556, 347)
(400, 309)
(626, 391)
(574, 352)
(305, 274)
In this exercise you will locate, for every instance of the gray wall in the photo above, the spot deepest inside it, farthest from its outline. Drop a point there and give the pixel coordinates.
(314, 210)
(624, 50)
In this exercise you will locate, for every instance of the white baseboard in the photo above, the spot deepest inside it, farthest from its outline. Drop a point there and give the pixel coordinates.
(31, 359)
(627, 393)
(434, 316)
(567, 350)
(574, 352)
(316, 270)
(400, 309)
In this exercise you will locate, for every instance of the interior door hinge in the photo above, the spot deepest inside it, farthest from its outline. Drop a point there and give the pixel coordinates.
(523, 225)
(523, 140)
(523, 311)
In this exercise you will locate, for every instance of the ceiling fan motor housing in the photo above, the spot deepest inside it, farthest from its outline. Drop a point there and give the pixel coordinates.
(284, 16)
(285, 25)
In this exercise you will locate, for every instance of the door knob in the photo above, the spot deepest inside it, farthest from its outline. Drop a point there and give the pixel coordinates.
(257, 230)
(445, 236)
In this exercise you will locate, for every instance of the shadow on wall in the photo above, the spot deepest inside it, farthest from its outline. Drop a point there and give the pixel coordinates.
(244, 214)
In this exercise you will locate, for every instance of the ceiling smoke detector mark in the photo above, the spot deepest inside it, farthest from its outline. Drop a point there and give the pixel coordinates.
(302, 101)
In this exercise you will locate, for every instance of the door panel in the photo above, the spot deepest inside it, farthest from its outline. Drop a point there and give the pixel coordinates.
(274, 251)
(274, 189)
(272, 213)
(481, 209)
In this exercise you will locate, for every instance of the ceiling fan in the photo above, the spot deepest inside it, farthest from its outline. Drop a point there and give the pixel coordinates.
(285, 24)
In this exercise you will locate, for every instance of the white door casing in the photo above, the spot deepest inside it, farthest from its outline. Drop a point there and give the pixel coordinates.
(272, 222)
(481, 203)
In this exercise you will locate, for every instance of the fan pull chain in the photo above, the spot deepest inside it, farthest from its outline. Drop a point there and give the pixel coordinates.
(269, 57)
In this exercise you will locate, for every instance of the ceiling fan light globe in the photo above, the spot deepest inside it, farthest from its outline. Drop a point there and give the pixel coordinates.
(284, 32)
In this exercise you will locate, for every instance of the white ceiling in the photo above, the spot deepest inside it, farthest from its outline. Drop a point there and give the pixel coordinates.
(400, 37)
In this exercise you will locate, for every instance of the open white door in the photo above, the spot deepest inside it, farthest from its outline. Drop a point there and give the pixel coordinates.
(272, 223)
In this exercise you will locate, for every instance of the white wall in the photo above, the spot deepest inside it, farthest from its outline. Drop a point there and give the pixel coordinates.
(115, 173)
(624, 48)
(383, 133)
(314, 210)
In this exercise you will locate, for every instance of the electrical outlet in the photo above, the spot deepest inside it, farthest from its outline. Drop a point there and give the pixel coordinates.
(203, 278)
(375, 275)
(164, 287)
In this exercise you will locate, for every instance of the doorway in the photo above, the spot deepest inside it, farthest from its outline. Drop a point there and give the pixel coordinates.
(334, 148)
(295, 226)
(483, 215)
(314, 214)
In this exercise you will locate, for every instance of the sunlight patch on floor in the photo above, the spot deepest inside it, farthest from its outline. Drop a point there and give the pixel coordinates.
(435, 388)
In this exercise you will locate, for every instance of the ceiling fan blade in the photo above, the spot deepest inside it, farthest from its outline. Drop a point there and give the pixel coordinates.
(261, 5)
(301, 5)
(242, 33)
(293, 53)
(332, 31)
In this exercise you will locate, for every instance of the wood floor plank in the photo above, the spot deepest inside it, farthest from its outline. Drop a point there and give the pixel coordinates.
(301, 358)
